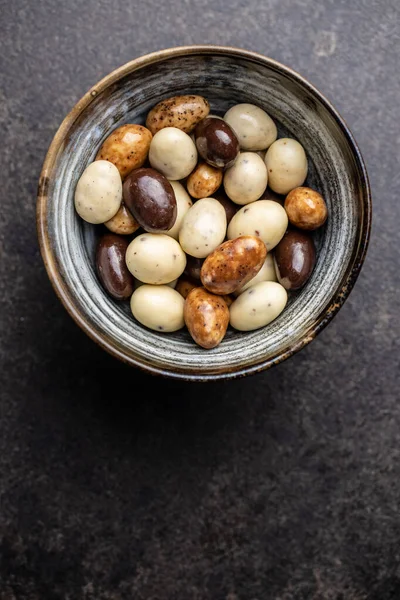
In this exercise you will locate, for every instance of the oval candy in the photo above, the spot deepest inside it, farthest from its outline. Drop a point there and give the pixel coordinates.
(183, 112)
(216, 142)
(151, 200)
(233, 264)
(206, 317)
(155, 258)
(294, 259)
(158, 307)
(126, 147)
(111, 267)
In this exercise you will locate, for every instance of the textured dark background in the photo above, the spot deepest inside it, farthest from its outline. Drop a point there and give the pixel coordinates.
(282, 486)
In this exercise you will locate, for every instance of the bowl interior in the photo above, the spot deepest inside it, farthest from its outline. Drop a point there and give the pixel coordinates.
(224, 79)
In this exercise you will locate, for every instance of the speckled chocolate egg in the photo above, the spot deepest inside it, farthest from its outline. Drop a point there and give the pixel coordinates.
(232, 264)
(183, 112)
(246, 180)
(173, 153)
(98, 193)
(204, 180)
(287, 165)
(306, 208)
(155, 258)
(258, 305)
(203, 227)
(158, 307)
(123, 222)
(206, 317)
(126, 147)
(265, 219)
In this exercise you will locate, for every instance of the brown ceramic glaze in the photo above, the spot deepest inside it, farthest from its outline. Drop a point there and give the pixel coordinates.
(150, 198)
(336, 169)
(294, 259)
(216, 142)
(111, 267)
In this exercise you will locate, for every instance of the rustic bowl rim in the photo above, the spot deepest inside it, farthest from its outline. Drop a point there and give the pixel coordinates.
(61, 287)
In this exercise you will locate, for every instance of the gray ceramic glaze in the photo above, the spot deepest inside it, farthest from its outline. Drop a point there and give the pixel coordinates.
(224, 77)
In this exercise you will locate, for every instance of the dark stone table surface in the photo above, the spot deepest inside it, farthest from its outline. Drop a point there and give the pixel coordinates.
(282, 486)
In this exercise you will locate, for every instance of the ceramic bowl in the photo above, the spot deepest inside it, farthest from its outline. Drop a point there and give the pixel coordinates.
(225, 76)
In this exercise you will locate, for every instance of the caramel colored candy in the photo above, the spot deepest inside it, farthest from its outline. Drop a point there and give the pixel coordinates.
(306, 208)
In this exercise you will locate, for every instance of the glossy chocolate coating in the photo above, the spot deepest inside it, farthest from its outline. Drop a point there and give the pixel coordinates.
(216, 142)
(151, 199)
(294, 259)
(111, 267)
